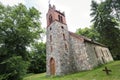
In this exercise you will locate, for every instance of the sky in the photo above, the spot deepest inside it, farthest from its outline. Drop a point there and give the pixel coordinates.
(77, 12)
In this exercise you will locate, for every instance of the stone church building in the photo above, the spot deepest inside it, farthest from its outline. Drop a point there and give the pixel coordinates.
(68, 52)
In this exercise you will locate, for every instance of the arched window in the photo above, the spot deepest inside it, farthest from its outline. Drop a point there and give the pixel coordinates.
(50, 19)
(50, 28)
(107, 53)
(95, 52)
(51, 48)
(59, 17)
(102, 53)
(66, 47)
(62, 27)
(50, 38)
(64, 36)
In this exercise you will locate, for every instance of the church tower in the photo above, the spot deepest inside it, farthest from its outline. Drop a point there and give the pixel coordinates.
(57, 44)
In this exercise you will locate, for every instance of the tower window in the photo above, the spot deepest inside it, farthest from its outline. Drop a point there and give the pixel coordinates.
(50, 38)
(51, 48)
(64, 36)
(60, 18)
(66, 48)
(62, 27)
(50, 28)
(50, 19)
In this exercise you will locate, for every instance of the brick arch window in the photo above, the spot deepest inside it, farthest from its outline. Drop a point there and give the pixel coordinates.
(50, 19)
(64, 37)
(60, 18)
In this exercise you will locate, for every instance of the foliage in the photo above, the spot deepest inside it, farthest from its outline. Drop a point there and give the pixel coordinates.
(38, 58)
(19, 27)
(15, 68)
(96, 74)
(89, 32)
(107, 24)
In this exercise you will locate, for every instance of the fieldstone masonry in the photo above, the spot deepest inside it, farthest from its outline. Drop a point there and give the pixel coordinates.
(68, 52)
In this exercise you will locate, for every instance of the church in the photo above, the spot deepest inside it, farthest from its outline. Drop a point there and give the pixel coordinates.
(67, 52)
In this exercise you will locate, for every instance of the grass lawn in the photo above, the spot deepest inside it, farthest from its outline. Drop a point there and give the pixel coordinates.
(96, 74)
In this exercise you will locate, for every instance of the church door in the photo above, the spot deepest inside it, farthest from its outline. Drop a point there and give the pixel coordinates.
(52, 66)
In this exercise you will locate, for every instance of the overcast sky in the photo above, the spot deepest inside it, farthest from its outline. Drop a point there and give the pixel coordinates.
(77, 11)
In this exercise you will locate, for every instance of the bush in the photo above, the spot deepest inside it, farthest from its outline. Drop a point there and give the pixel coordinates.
(38, 64)
(14, 68)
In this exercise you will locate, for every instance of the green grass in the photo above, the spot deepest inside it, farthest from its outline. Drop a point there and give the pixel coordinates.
(96, 74)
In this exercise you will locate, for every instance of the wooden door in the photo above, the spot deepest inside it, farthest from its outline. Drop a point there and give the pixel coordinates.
(52, 66)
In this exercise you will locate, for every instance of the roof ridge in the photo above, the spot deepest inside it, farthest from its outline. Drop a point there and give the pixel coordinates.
(85, 38)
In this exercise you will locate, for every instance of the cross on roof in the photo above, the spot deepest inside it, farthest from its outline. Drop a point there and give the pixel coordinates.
(107, 70)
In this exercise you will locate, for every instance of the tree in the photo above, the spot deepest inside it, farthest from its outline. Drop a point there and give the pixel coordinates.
(107, 25)
(38, 58)
(89, 32)
(19, 27)
(13, 68)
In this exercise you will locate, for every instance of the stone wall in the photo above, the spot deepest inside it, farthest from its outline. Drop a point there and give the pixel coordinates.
(60, 48)
(97, 54)
(87, 55)
(72, 53)
(79, 58)
(91, 54)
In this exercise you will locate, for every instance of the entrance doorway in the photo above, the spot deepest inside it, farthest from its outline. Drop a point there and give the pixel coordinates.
(52, 66)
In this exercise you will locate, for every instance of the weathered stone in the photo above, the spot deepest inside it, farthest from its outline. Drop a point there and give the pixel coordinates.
(71, 52)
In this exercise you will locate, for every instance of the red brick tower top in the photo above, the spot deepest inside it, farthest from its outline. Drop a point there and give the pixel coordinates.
(55, 15)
